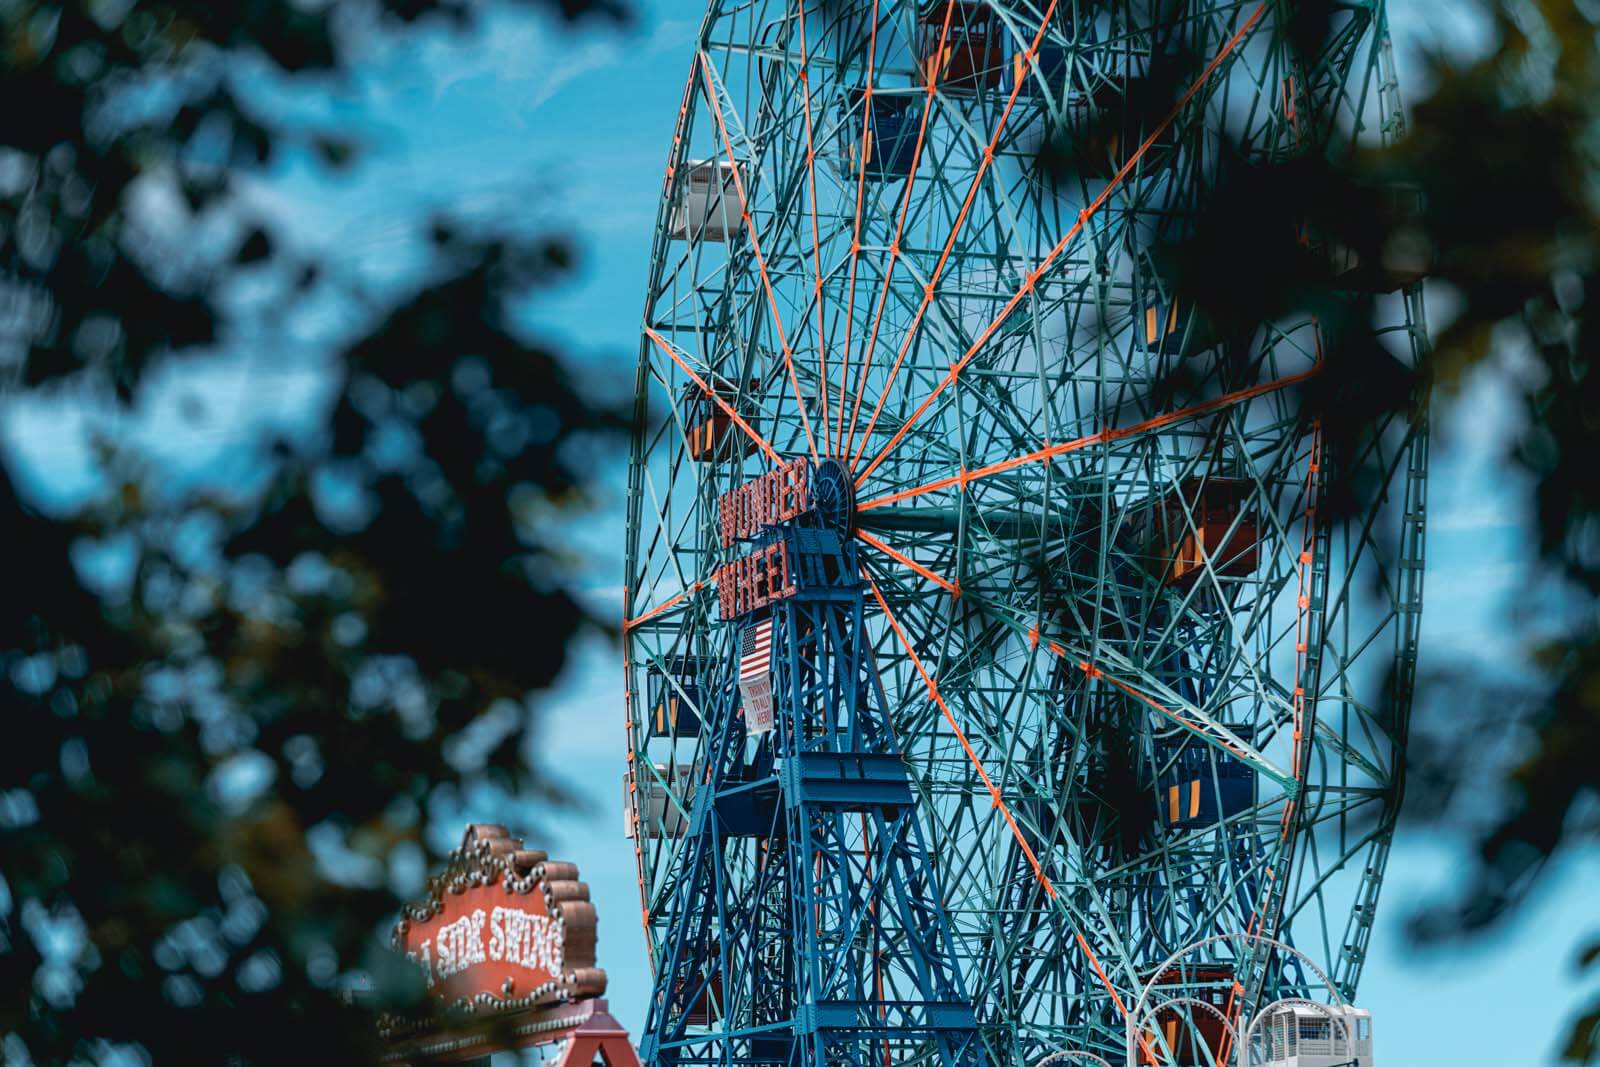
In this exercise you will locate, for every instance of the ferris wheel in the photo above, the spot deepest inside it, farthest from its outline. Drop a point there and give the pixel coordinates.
(988, 637)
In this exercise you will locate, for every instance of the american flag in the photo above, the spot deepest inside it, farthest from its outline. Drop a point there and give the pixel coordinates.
(755, 676)
(755, 650)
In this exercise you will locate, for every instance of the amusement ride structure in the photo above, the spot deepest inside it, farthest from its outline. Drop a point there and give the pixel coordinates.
(989, 640)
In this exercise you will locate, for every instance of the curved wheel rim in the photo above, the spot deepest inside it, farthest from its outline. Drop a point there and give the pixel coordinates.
(997, 406)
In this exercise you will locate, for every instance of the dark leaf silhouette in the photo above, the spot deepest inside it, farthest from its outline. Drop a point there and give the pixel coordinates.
(229, 711)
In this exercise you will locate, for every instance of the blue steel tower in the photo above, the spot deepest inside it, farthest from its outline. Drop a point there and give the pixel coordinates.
(832, 947)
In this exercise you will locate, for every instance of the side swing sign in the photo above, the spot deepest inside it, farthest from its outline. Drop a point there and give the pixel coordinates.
(506, 944)
(513, 925)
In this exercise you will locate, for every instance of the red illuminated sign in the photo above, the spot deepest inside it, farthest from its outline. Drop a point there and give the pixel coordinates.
(504, 923)
(756, 580)
(507, 939)
(776, 497)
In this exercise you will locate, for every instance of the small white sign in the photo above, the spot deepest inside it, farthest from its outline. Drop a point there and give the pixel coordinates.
(759, 711)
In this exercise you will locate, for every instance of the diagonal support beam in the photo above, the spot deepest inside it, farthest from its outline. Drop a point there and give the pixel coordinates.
(714, 95)
(1077, 227)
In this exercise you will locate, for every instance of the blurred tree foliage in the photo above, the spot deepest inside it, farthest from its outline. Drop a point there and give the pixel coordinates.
(1503, 152)
(1493, 177)
(203, 695)
(1507, 147)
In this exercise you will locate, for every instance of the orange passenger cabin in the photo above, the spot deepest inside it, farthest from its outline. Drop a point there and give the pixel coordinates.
(709, 430)
(1187, 1036)
(1206, 521)
(971, 54)
(704, 997)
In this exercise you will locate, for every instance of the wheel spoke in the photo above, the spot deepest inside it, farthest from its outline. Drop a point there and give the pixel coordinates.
(1066, 239)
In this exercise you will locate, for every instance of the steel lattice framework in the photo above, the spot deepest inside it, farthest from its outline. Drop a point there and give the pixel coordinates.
(1146, 689)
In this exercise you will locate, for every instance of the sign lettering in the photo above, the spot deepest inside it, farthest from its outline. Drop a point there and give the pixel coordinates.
(493, 926)
(513, 935)
(752, 582)
(778, 496)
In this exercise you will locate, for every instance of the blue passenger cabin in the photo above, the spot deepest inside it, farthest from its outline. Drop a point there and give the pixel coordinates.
(1197, 784)
(677, 692)
(1050, 76)
(1174, 328)
(893, 124)
(747, 803)
(1096, 136)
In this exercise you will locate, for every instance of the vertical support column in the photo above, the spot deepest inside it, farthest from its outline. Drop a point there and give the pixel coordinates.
(809, 921)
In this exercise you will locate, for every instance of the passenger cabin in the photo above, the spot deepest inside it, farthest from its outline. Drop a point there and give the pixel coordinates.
(1043, 76)
(666, 799)
(1406, 256)
(747, 804)
(893, 125)
(1300, 1035)
(1089, 143)
(1205, 519)
(971, 54)
(676, 695)
(710, 434)
(1184, 1035)
(1174, 328)
(1197, 785)
(1041, 828)
(707, 1007)
(707, 205)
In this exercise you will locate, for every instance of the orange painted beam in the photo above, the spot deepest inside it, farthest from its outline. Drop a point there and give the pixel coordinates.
(907, 561)
(961, 736)
(1049, 452)
(755, 246)
(661, 343)
(855, 238)
(816, 238)
(900, 223)
(1061, 245)
(666, 605)
(950, 241)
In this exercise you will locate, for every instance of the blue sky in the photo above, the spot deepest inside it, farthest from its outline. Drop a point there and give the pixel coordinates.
(574, 130)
